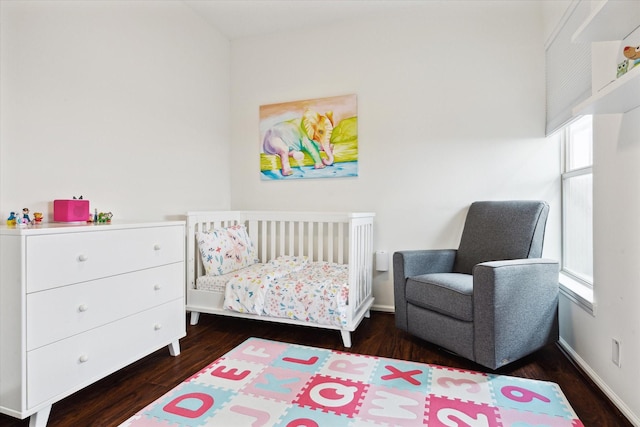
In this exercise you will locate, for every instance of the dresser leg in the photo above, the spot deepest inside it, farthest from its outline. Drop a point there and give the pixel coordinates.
(174, 348)
(39, 419)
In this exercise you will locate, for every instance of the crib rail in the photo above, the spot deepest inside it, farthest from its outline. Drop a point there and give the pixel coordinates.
(344, 238)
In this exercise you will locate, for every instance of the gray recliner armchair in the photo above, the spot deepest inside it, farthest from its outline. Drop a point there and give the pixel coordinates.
(493, 300)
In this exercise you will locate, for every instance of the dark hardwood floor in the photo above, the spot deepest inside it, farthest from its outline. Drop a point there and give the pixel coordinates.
(114, 399)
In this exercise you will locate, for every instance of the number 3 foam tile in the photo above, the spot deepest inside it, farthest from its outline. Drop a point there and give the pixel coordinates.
(463, 385)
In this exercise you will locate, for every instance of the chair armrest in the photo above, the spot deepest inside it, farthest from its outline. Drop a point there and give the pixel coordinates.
(515, 305)
(417, 262)
(414, 263)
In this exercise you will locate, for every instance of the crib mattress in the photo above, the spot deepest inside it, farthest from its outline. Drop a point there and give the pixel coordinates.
(219, 283)
(290, 287)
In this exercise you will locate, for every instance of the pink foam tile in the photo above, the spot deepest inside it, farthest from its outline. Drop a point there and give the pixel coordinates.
(258, 351)
(443, 412)
(336, 395)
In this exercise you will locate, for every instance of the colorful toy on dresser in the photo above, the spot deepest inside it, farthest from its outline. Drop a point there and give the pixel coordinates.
(24, 220)
(632, 59)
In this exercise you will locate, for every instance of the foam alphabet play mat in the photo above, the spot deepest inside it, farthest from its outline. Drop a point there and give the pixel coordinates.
(269, 383)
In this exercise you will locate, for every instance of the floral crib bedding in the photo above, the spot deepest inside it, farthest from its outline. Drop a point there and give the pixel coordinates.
(293, 288)
(286, 287)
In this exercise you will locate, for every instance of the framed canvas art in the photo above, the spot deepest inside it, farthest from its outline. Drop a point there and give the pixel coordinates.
(315, 138)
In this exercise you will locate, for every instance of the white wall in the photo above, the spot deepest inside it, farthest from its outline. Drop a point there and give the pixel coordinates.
(450, 110)
(125, 103)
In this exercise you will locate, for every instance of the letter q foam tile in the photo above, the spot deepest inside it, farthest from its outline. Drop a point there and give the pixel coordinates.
(265, 383)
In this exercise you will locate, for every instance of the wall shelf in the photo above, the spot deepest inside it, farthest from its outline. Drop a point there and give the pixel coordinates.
(619, 96)
(609, 20)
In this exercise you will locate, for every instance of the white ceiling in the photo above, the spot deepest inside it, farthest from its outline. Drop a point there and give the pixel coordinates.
(244, 18)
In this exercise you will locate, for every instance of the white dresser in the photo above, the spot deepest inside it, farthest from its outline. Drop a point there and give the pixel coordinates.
(78, 302)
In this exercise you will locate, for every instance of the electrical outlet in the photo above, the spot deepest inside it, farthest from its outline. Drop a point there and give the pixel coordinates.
(615, 352)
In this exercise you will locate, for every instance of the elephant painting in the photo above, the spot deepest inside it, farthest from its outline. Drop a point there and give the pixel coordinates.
(309, 134)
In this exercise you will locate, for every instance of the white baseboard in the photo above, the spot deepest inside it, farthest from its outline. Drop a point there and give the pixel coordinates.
(385, 308)
(633, 418)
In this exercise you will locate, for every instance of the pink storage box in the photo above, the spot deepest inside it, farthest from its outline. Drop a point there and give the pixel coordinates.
(70, 210)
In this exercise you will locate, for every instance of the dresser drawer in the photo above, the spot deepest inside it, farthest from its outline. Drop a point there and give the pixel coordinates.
(73, 363)
(57, 313)
(60, 259)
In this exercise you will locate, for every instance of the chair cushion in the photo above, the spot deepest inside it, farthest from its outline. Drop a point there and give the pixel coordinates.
(501, 230)
(446, 293)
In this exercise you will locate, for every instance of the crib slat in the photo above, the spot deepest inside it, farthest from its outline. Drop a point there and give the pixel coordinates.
(300, 251)
(263, 239)
(320, 241)
(330, 242)
(291, 238)
(310, 240)
(274, 239)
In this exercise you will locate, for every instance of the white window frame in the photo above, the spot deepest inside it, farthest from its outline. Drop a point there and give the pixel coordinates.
(574, 285)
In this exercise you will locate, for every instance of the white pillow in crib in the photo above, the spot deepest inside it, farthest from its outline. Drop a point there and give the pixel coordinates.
(225, 250)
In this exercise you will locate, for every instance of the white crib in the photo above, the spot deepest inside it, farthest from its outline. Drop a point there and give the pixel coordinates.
(344, 238)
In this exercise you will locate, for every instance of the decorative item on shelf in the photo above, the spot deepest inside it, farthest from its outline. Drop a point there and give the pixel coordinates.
(104, 217)
(37, 217)
(622, 68)
(633, 56)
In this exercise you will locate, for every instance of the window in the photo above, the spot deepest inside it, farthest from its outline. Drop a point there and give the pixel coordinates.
(577, 200)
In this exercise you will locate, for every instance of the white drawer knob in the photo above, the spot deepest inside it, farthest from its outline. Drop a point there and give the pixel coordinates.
(84, 358)
(83, 307)
(157, 326)
(82, 258)
(157, 247)
(157, 287)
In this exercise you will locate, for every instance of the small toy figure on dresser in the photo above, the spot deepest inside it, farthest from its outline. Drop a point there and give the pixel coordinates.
(37, 217)
(25, 216)
(11, 221)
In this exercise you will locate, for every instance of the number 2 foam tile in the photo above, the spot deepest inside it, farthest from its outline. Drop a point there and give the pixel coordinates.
(443, 412)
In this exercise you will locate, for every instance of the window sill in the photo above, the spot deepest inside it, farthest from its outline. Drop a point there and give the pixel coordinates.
(577, 292)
